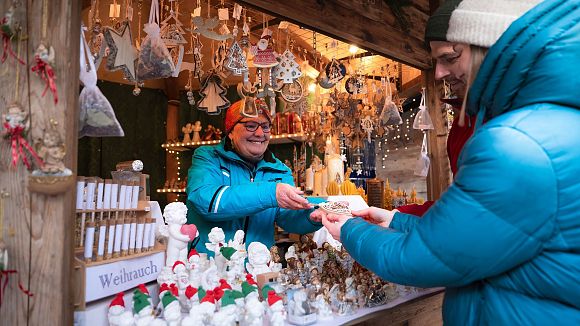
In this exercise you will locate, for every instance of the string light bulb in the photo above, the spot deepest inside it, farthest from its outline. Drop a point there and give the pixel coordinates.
(353, 49)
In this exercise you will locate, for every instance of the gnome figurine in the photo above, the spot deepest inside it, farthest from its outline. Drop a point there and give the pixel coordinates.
(171, 309)
(226, 316)
(276, 309)
(117, 315)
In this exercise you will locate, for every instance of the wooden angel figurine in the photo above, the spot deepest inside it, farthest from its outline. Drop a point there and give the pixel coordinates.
(175, 215)
(196, 128)
(52, 151)
(209, 132)
(187, 130)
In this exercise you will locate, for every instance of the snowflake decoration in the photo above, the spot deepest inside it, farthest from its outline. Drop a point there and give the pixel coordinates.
(343, 157)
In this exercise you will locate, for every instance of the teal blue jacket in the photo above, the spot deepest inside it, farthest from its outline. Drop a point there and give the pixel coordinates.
(224, 191)
(505, 237)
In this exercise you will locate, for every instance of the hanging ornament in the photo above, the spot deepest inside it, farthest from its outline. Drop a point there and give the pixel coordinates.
(9, 31)
(264, 55)
(97, 43)
(367, 125)
(172, 32)
(219, 59)
(236, 60)
(248, 99)
(335, 71)
(205, 28)
(292, 93)
(288, 70)
(44, 57)
(122, 54)
(16, 125)
(213, 95)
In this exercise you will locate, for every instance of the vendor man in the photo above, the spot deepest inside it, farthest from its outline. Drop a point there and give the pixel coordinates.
(239, 184)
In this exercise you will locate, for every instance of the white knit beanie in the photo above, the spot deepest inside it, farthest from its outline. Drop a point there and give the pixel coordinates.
(482, 22)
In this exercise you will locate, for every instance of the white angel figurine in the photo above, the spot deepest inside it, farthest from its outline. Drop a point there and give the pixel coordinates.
(324, 311)
(175, 215)
(217, 239)
(258, 259)
(210, 278)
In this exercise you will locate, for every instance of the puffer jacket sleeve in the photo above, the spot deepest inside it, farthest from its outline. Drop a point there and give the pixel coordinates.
(496, 215)
(295, 221)
(215, 201)
(404, 222)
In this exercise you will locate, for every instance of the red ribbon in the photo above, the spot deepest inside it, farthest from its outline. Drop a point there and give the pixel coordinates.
(45, 71)
(3, 285)
(19, 144)
(7, 45)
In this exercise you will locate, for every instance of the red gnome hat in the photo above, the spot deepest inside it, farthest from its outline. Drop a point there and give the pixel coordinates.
(118, 301)
(143, 289)
(177, 263)
(273, 298)
(191, 253)
(209, 297)
(250, 280)
(224, 285)
(190, 291)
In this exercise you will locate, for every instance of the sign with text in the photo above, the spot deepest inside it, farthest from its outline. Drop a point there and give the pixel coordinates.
(108, 279)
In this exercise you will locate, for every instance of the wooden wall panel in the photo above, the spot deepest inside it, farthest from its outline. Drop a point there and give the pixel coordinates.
(52, 217)
(38, 228)
(15, 198)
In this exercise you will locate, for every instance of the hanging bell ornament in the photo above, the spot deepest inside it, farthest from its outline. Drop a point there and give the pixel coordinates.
(136, 90)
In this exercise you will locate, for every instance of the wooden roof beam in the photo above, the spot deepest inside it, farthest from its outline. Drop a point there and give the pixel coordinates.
(348, 23)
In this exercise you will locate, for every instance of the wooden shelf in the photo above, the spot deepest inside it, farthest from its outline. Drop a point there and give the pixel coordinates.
(275, 139)
(171, 190)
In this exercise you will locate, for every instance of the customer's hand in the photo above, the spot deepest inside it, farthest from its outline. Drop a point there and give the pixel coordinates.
(317, 215)
(376, 215)
(290, 197)
(334, 223)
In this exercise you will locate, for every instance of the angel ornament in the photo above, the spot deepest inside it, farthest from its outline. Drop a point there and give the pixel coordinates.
(44, 61)
(16, 124)
(52, 152)
(367, 125)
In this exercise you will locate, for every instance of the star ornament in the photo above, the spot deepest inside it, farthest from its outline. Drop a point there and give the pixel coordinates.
(122, 54)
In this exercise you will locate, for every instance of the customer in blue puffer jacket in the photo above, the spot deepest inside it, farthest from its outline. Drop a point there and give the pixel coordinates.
(504, 239)
(240, 185)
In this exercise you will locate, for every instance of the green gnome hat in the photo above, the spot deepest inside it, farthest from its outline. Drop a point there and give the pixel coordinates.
(265, 291)
(228, 298)
(247, 288)
(227, 252)
(140, 301)
(237, 294)
(200, 293)
(167, 299)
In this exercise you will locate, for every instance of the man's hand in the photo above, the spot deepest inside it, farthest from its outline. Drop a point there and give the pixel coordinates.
(376, 215)
(334, 223)
(290, 197)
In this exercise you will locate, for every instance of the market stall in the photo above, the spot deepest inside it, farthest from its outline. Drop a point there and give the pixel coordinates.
(341, 122)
